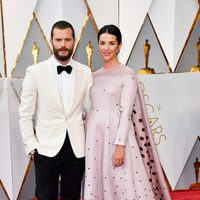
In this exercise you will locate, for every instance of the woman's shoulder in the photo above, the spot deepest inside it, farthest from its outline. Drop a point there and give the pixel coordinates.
(128, 70)
(118, 71)
(125, 71)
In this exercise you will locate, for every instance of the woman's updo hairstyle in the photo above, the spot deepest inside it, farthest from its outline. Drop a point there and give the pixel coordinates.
(111, 29)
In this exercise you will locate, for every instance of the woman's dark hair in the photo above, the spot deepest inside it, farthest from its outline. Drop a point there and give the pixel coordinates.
(62, 25)
(111, 29)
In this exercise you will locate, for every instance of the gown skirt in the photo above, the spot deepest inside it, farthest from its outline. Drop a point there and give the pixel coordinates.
(118, 116)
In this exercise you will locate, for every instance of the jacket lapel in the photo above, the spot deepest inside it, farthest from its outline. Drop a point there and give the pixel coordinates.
(76, 88)
(52, 83)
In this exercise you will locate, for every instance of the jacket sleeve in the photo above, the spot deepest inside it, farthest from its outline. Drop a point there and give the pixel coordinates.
(128, 95)
(87, 99)
(27, 110)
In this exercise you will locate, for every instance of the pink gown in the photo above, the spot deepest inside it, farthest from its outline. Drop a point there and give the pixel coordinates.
(118, 116)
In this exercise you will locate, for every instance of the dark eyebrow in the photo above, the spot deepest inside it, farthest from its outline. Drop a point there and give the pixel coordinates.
(109, 41)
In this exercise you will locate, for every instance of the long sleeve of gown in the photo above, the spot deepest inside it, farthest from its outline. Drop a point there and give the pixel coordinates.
(128, 95)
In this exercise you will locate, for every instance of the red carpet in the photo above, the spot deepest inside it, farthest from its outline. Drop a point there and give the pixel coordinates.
(182, 195)
(185, 195)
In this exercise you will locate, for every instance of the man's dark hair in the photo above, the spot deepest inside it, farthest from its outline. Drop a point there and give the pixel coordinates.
(62, 25)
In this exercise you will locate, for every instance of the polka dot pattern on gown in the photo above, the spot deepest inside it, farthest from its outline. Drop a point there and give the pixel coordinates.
(116, 120)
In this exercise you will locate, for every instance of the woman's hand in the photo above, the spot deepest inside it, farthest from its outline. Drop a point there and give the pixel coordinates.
(119, 155)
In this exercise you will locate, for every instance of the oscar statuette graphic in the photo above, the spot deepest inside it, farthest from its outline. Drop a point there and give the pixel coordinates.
(196, 185)
(35, 52)
(197, 67)
(89, 50)
(146, 70)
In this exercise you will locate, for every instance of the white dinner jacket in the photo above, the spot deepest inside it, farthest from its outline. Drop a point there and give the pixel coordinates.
(42, 109)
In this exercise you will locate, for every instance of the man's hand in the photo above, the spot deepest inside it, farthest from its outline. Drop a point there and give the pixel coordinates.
(32, 154)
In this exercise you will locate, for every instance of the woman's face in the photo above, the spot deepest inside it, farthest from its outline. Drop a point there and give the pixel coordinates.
(108, 47)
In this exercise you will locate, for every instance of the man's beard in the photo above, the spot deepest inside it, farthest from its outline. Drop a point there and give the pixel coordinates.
(60, 57)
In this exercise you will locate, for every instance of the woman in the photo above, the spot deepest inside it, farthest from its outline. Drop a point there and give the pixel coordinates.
(121, 159)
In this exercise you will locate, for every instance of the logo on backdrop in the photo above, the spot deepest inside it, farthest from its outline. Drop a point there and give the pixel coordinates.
(153, 115)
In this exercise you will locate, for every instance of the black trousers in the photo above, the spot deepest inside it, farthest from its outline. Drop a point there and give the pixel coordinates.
(66, 165)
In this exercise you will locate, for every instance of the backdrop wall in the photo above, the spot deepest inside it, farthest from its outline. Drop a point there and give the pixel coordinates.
(172, 96)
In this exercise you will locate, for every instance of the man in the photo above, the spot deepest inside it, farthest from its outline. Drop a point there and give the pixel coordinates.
(56, 96)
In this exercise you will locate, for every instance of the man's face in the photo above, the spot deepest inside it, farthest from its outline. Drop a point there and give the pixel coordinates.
(63, 44)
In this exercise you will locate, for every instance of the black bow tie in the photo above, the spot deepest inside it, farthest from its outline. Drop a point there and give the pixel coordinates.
(61, 68)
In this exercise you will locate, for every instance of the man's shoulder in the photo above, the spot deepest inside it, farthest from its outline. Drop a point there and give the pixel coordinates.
(81, 66)
(39, 66)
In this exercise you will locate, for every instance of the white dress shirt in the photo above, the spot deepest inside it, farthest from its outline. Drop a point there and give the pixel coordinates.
(65, 83)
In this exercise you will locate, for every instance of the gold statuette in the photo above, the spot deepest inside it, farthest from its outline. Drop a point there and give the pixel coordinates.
(35, 52)
(197, 67)
(146, 70)
(196, 185)
(89, 50)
